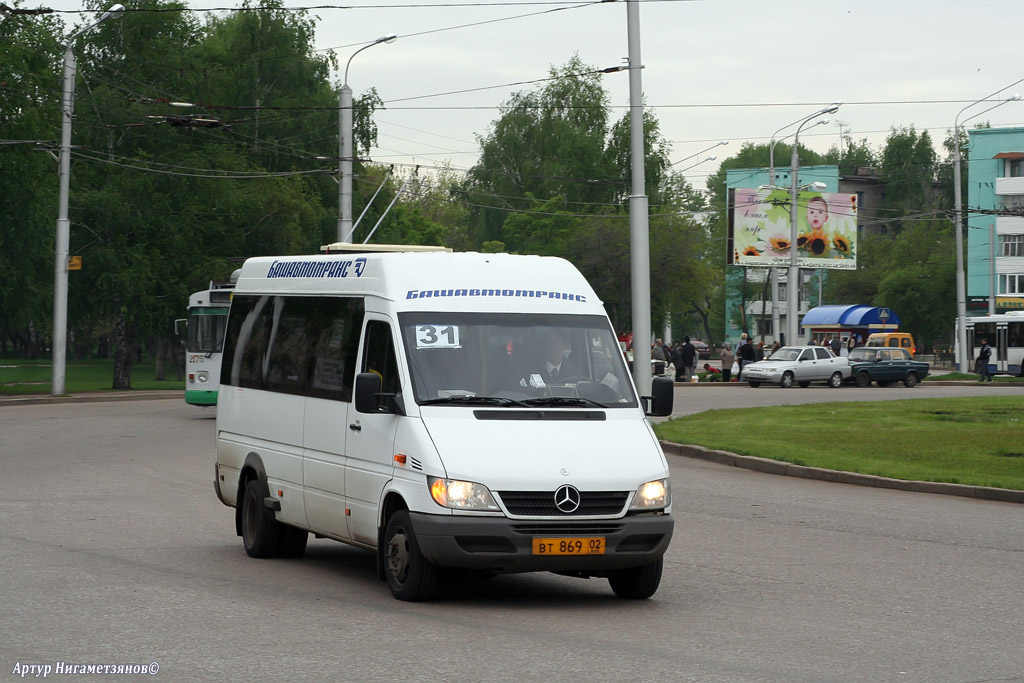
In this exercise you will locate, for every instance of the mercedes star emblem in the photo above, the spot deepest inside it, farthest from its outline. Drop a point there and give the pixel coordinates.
(567, 498)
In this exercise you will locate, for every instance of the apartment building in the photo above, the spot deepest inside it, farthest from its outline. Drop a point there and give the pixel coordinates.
(994, 175)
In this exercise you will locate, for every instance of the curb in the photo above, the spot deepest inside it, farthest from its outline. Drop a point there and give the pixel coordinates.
(788, 469)
(923, 383)
(91, 397)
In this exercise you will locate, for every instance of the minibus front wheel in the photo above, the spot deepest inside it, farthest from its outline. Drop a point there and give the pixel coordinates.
(410, 576)
(637, 583)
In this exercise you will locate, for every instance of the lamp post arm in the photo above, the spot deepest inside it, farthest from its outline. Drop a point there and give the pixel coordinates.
(389, 38)
(717, 144)
(111, 13)
(984, 99)
(344, 81)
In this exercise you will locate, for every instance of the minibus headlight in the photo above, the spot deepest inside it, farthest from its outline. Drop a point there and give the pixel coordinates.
(652, 495)
(461, 495)
(202, 375)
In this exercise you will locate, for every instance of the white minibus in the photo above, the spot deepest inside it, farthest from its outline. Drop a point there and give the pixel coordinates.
(447, 411)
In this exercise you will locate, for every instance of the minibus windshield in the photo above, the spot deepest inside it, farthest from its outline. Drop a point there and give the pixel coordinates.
(525, 359)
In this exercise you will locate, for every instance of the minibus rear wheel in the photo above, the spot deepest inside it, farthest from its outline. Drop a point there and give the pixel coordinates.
(637, 583)
(410, 577)
(293, 541)
(261, 533)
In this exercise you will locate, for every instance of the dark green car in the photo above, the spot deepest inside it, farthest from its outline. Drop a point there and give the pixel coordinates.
(885, 366)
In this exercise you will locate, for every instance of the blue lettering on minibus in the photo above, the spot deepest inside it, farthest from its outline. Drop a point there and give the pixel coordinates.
(513, 293)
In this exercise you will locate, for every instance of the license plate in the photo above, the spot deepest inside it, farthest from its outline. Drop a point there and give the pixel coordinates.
(569, 546)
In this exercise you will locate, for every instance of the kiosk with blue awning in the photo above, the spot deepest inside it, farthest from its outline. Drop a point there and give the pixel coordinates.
(860, 321)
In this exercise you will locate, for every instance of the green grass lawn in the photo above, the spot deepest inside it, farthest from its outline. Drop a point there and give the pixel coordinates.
(975, 441)
(18, 376)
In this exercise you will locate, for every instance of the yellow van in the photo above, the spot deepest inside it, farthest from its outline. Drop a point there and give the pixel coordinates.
(903, 340)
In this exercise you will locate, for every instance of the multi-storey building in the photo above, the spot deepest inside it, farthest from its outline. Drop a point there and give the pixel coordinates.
(994, 174)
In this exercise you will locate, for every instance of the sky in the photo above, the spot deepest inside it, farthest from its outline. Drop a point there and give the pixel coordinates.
(736, 70)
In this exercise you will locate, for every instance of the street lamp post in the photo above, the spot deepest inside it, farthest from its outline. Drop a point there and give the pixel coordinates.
(793, 295)
(772, 275)
(63, 235)
(961, 285)
(345, 146)
(639, 232)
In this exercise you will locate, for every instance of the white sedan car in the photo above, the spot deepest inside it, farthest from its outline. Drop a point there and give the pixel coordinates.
(798, 365)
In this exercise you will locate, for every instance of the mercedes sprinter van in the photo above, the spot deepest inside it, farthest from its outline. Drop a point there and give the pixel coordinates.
(447, 411)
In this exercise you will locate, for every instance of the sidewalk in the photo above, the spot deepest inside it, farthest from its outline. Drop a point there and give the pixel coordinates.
(91, 397)
(933, 372)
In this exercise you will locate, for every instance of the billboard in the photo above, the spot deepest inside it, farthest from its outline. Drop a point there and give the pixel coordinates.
(759, 228)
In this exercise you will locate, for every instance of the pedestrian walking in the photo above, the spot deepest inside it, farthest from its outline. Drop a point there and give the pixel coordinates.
(981, 365)
(746, 355)
(688, 355)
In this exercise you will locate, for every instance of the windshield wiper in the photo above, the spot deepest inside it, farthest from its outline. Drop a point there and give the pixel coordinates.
(563, 401)
(473, 401)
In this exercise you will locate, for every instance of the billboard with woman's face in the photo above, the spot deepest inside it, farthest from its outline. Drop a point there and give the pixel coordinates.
(761, 232)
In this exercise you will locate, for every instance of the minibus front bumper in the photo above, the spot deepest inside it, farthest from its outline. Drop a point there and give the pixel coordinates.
(502, 545)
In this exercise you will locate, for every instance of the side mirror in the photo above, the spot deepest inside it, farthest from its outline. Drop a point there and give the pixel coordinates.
(180, 325)
(367, 392)
(368, 396)
(661, 398)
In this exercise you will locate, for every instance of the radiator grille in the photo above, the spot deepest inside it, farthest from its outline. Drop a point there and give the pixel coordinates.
(559, 529)
(542, 503)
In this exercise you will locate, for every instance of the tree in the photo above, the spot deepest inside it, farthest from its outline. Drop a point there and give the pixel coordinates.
(911, 267)
(553, 179)
(851, 156)
(156, 215)
(30, 63)
(548, 144)
(656, 152)
(439, 195)
(909, 169)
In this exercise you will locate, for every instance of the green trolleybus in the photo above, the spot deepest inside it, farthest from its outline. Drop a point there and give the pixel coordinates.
(204, 342)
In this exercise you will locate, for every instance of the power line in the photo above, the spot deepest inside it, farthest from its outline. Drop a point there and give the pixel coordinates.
(479, 23)
(566, 4)
(214, 173)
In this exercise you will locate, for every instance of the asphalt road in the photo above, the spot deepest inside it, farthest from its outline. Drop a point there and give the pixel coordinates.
(114, 549)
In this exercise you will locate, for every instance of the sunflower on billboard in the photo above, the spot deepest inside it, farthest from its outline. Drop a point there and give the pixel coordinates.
(826, 234)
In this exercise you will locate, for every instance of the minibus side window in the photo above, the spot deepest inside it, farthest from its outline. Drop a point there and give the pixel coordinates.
(246, 342)
(285, 363)
(335, 324)
(294, 345)
(379, 355)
